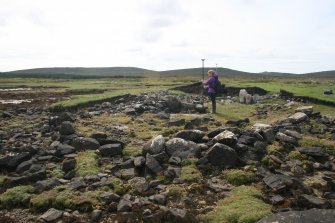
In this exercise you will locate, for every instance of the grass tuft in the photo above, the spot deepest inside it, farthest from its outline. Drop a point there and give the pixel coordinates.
(132, 151)
(65, 200)
(87, 163)
(16, 197)
(239, 177)
(190, 174)
(243, 206)
(310, 141)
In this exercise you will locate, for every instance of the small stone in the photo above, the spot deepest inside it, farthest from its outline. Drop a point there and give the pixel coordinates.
(124, 205)
(139, 161)
(51, 215)
(108, 197)
(96, 215)
(139, 184)
(66, 128)
(68, 164)
(277, 199)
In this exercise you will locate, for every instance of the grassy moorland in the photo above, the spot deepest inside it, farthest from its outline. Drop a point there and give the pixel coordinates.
(85, 90)
(312, 88)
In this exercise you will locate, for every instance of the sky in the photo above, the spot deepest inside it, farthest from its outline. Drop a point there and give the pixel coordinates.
(296, 36)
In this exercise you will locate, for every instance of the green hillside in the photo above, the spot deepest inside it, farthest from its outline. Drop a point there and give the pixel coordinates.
(100, 72)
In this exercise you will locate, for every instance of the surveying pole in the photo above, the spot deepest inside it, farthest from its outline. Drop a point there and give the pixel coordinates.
(203, 69)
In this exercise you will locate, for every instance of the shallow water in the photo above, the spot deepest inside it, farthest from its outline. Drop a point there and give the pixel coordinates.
(15, 89)
(14, 101)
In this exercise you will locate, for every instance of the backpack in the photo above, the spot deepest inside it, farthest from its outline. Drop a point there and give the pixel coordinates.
(217, 86)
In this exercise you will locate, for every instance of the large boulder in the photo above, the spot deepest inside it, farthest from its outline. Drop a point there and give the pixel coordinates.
(82, 143)
(308, 216)
(48, 184)
(64, 149)
(286, 139)
(298, 117)
(222, 156)
(11, 162)
(152, 164)
(155, 146)
(111, 149)
(181, 148)
(278, 182)
(310, 201)
(191, 135)
(226, 137)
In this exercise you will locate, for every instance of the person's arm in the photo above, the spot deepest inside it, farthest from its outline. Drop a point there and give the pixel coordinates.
(208, 82)
(205, 82)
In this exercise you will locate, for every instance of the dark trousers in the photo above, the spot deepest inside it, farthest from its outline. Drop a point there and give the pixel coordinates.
(212, 96)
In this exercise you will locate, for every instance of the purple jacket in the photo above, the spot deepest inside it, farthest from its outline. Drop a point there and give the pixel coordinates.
(210, 82)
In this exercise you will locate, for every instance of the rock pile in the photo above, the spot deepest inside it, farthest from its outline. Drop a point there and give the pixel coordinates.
(154, 102)
(143, 187)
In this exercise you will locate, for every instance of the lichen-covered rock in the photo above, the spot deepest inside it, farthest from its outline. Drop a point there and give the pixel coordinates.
(181, 148)
(226, 137)
(298, 117)
(155, 146)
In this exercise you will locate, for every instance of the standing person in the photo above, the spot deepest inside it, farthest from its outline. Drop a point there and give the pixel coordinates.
(212, 78)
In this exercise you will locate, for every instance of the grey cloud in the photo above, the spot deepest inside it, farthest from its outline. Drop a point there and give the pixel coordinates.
(163, 13)
(183, 43)
(150, 35)
(164, 7)
(134, 50)
(37, 18)
(161, 22)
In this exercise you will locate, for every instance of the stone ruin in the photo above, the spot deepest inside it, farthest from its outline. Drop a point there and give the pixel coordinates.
(246, 98)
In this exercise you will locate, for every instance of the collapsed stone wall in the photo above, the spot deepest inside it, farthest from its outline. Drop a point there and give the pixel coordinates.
(197, 88)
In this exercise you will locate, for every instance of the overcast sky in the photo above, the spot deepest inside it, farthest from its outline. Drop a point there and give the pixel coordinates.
(250, 35)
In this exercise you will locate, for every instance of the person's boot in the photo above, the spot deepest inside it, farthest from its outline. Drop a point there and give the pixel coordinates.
(214, 109)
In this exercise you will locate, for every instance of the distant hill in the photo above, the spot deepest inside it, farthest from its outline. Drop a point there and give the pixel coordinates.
(198, 71)
(100, 72)
(324, 74)
(91, 71)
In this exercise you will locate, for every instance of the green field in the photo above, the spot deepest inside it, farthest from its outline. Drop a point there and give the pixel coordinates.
(110, 87)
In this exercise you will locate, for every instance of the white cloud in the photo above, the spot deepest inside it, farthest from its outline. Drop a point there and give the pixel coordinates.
(251, 35)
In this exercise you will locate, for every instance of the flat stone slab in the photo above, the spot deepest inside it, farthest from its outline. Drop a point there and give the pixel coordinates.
(313, 151)
(305, 109)
(278, 182)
